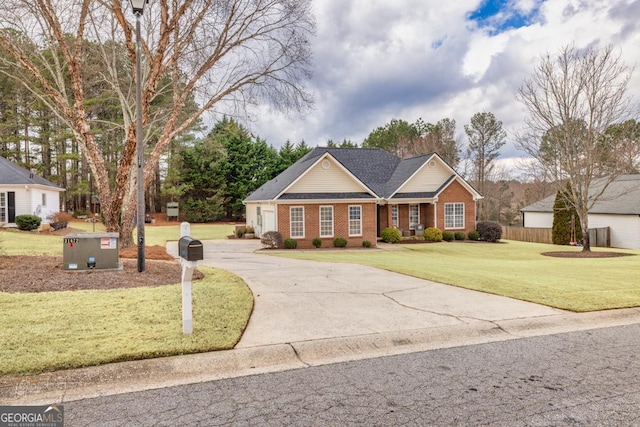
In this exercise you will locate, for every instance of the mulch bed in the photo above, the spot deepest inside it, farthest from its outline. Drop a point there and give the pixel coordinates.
(581, 254)
(45, 273)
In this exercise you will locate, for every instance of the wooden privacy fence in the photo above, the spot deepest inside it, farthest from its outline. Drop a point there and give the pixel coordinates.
(522, 234)
(598, 237)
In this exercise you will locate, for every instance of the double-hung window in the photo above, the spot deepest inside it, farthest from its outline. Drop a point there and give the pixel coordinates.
(326, 221)
(355, 220)
(296, 222)
(453, 215)
(3, 207)
(394, 215)
(414, 216)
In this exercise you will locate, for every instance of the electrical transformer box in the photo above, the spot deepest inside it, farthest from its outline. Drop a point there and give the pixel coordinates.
(91, 251)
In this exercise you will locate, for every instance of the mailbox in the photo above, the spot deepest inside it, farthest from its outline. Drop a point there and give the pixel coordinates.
(190, 249)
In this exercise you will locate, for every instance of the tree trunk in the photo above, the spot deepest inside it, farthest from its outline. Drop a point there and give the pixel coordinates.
(586, 244)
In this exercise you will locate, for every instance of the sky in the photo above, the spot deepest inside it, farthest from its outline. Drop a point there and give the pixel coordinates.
(378, 60)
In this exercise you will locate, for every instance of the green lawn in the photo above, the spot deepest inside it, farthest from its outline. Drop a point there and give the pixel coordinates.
(509, 268)
(58, 330)
(14, 242)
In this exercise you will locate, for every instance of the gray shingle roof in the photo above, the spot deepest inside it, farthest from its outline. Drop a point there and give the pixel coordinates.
(379, 170)
(12, 174)
(621, 197)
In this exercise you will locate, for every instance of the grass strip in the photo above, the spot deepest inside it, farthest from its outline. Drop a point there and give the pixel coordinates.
(60, 330)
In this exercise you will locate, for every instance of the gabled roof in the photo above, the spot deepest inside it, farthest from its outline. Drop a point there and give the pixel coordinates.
(12, 174)
(621, 197)
(381, 172)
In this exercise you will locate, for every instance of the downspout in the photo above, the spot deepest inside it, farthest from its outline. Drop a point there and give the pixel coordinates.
(435, 213)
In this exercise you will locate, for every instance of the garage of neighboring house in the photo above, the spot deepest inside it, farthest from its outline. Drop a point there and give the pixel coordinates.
(618, 208)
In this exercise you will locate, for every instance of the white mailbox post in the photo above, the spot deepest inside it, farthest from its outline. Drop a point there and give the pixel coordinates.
(190, 251)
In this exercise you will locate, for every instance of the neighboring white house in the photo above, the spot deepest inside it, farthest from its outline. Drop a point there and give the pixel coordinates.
(24, 193)
(618, 208)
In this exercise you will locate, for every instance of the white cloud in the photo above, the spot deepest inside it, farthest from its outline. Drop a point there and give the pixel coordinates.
(377, 60)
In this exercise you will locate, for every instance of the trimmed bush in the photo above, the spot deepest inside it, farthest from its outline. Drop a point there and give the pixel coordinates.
(316, 242)
(240, 232)
(271, 240)
(290, 243)
(490, 231)
(473, 235)
(28, 222)
(448, 236)
(433, 234)
(340, 242)
(459, 235)
(366, 244)
(391, 235)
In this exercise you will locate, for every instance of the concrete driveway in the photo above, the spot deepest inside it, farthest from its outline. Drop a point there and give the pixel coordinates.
(297, 301)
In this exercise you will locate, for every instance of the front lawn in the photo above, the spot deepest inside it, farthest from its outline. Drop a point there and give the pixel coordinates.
(510, 268)
(60, 330)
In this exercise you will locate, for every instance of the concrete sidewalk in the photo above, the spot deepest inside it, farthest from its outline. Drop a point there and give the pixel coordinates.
(307, 314)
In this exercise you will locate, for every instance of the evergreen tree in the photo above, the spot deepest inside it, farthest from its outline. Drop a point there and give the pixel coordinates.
(565, 229)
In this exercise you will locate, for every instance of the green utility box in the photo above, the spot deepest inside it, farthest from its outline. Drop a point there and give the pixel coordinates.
(91, 251)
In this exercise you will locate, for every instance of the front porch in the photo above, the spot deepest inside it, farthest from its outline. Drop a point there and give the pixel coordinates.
(407, 217)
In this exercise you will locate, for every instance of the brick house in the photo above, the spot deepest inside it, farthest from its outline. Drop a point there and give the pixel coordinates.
(355, 193)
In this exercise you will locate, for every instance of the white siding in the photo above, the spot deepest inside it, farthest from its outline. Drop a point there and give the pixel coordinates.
(266, 223)
(538, 219)
(330, 180)
(625, 229)
(428, 178)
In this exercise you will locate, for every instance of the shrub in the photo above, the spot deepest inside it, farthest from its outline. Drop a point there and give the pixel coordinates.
(490, 231)
(316, 242)
(366, 244)
(459, 235)
(340, 242)
(60, 217)
(433, 234)
(249, 230)
(290, 243)
(28, 222)
(271, 240)
(391, 235)
(80, 213)
(448, 236)
(473, 235)
(240, 232)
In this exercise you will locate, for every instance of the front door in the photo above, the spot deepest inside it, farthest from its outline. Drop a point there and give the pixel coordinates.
(11, 206)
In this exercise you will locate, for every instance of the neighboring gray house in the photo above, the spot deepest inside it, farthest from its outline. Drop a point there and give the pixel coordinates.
(24, 193)
(618, 208)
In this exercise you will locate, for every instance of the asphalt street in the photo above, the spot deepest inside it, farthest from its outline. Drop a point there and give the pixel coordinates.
(580, 378)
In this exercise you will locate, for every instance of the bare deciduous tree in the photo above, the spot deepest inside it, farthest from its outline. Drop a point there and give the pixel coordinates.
(222, 54)
(572, 99)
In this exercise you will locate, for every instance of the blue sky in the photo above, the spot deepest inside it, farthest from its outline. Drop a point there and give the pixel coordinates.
(376, 60)
(497, 16)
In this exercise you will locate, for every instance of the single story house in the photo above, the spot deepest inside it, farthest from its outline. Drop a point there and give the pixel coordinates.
(617, 208)
(24, 193)
(355, 193)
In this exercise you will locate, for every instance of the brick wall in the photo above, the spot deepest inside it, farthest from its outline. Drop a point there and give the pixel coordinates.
(340, 224)
(456, 193)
